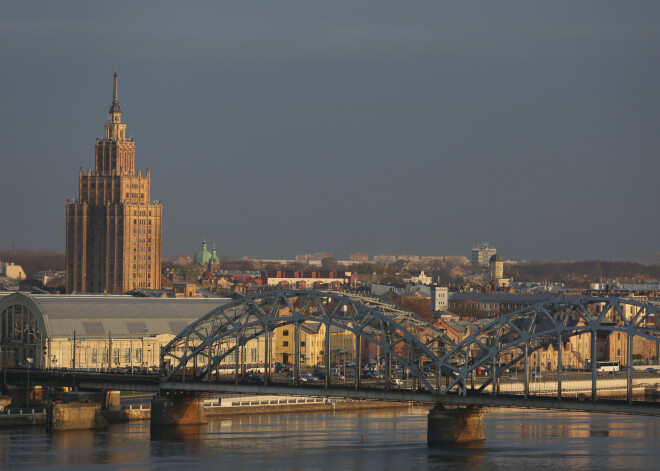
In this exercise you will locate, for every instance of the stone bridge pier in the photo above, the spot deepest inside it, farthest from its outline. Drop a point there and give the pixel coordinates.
(177, 409)
(448, 426)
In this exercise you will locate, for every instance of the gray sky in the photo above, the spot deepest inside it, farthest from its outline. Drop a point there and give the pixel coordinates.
(278, 128)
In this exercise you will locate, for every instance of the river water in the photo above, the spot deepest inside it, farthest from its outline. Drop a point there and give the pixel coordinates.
(393, 439)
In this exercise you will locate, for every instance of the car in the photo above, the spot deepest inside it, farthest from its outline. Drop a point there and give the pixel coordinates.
(255, 379)
(306, 376)
(282, 367)
(653, 371)
(397, 382)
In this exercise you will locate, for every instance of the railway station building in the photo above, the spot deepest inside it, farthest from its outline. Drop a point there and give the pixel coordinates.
(104, 331)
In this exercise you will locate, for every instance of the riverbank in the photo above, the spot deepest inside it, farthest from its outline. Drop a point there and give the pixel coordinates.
(233, 407)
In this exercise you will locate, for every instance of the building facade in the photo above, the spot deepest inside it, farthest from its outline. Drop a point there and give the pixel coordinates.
(439, 298)
(113, 229)
(10, 270)
(358, 257)
(481, 255)
(99, 331)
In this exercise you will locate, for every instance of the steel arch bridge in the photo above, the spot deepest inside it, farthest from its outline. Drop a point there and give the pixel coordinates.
(435, 363)
(512, 339)
(399, 334)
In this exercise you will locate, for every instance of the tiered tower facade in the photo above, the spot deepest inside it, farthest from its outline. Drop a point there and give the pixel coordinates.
(113, 229)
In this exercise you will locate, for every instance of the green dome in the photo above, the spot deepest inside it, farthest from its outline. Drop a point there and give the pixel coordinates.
(204, 256)
(496, 258)
(214, 257)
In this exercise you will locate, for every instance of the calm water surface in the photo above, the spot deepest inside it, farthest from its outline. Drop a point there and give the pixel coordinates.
(393, 439)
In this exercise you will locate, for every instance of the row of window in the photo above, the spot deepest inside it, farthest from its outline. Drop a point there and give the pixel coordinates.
(115, 355)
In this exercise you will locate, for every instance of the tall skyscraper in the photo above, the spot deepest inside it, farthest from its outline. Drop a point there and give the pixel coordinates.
(113, 230)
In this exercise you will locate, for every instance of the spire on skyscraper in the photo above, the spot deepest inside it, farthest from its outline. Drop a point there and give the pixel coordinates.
(115, 98)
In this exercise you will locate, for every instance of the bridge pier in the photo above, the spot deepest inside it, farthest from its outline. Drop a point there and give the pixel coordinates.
(457, 425)
(177, 409)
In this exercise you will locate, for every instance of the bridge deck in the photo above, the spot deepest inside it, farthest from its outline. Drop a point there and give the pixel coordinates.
(155, 384)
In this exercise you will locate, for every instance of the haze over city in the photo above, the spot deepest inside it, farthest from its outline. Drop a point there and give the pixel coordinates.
(378, 127)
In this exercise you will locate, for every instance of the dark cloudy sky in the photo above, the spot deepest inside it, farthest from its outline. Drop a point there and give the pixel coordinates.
(279, 128)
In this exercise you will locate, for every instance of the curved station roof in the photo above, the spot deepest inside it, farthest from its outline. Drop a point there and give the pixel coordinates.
(122, 316)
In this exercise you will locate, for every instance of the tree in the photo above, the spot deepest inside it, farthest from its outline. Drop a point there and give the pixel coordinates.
(329, 263)
(366, 268)
(191, 271)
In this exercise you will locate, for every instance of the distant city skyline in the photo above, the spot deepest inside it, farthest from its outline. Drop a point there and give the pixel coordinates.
(373, 127)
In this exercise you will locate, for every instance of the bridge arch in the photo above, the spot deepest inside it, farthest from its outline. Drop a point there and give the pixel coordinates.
(408, 341)
(400, 336)
(513, 339)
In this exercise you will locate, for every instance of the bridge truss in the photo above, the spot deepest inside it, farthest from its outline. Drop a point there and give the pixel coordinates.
(399, 336)
(409, 344)
(613, 327)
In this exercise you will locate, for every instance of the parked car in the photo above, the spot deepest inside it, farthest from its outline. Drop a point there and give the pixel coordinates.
(306, 376)
(255, 379)
(281, 367)
(653, 371)
(397, 382)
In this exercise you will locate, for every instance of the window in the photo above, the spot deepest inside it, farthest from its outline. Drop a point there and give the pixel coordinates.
(285, 343)
(253, 355)
(105, 355)
(127, 355)
(94, 356)
(115, 356)
(285, 333)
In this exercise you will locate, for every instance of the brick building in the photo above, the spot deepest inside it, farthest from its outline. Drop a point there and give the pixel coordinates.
(113, 229)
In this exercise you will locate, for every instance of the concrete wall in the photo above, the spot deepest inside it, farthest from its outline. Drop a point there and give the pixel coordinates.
(75, 416)
(459, 425)
(177, 410)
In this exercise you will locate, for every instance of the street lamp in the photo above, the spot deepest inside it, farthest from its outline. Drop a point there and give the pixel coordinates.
(29, 362)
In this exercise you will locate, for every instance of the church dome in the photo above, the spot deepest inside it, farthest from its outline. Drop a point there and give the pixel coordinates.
(214, 257)
(204, 256)
(496, 258)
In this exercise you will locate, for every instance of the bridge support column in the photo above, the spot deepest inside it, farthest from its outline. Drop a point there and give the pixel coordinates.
(459, 425)
(358, 361)
(267, 348)
(177, 409)
(629, 369)
(559, 365)
(593, 363)
(526, 368)
(75, 416)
